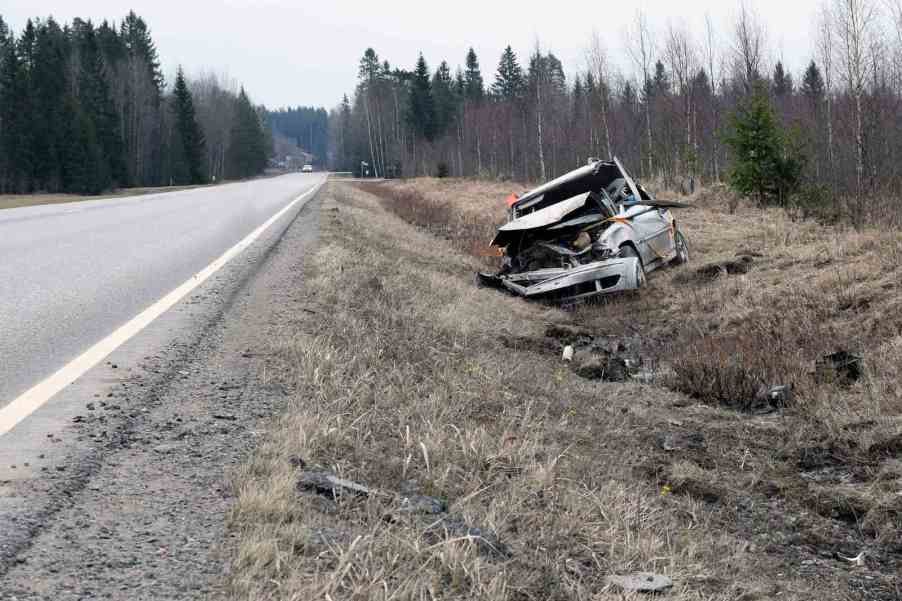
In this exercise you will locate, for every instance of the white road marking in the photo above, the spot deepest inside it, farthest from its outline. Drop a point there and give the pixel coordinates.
(34, 398)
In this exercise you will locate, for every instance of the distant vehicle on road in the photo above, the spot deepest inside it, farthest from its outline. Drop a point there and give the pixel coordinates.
(307, 168)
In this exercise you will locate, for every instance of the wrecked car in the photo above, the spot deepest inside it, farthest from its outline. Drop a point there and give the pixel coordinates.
(590, 232)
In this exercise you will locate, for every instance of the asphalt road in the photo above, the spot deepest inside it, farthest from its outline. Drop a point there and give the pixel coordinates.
(72, 273)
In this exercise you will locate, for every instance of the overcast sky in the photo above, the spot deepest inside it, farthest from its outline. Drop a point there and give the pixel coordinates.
(293, 52)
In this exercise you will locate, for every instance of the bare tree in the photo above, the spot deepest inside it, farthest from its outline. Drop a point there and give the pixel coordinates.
(597, 59)
(541, 79)
(749, 45)
(641, 49)
(895, 9)
(825, 53)
(214, 101)
(683, 60)
(714, 78)
(853, 20)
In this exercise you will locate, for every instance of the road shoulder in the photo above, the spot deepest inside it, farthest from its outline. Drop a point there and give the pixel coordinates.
(132, 502)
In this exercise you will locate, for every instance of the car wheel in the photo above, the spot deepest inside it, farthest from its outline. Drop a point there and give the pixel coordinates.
(682, 248)
(629, 251)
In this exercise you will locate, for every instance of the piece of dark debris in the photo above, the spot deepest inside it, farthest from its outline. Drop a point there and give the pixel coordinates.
(486, 540)
(842, 367)
(680, 441)
(712, 271)
(327, 483)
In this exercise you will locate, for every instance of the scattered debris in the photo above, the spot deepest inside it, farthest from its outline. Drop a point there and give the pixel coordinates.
(411, 503)
(594, 357)
(770, 399)
(610, 368)
(486, 541)
(749, 253)
(891, 447)
(568, 334)
(680, 441)
(641, 582)
(590, 232)
(712, 271)
(841, 367)
(858, 560)
(422, 504)
(568, 353)
(327, 483)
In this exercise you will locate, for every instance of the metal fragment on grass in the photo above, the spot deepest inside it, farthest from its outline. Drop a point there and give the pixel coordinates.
(641, 582)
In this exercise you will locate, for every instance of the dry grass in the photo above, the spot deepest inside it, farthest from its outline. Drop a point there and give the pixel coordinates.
(14, 201)
(407, 377)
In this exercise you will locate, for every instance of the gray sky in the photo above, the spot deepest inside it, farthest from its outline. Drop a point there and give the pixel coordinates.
(292, 52)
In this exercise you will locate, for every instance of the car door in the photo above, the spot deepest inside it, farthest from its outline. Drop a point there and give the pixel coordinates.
(648, 229)
(659, 238)
(653, 236)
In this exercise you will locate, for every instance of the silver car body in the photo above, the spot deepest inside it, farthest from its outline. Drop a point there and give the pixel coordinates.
(592, 231)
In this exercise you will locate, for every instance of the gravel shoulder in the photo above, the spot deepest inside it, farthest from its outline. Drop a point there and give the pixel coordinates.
(133, 499)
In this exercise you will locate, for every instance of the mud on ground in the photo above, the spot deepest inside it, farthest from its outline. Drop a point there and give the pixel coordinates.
(414, 383)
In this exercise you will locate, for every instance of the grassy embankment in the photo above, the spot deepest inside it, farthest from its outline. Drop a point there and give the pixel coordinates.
(408, 379)
(14, 201)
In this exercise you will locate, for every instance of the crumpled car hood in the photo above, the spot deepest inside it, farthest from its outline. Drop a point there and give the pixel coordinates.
(591, 178)
(542, 218)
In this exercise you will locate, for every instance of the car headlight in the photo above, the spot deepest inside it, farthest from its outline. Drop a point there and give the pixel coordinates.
(602, 251)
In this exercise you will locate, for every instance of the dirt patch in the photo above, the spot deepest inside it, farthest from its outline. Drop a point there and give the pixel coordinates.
(710, 272)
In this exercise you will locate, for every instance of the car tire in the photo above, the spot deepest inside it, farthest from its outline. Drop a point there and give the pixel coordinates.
(629, 251)
(682, 248)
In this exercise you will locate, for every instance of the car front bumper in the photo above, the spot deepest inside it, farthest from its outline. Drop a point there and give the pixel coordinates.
(591, 279)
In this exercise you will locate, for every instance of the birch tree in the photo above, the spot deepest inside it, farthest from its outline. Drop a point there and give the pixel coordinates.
(854, 20)
(749, 45)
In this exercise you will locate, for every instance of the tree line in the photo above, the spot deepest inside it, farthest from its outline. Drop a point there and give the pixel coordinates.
(307, 127)
(700, 104)
(86, 108)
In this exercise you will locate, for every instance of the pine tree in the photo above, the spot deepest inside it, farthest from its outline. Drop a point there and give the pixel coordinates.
(142, 102)
(369, 69)
(96, 102)
(813, 86)
(188, 144)
(15, 117)
(444, 98)
(268, 138)
(474, 88)
(460, 84)
(246, 156)
(556, 77)
(782, 81)
(82, 168)
(660, 81)
(421, 105)
(765, 165)
(49, 86)
(510, 83)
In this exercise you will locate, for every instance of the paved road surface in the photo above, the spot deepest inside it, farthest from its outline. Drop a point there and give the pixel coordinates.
(71, 273)
(118, 487)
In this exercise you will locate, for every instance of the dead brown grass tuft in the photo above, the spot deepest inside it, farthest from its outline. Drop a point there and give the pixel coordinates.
(469, 227)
